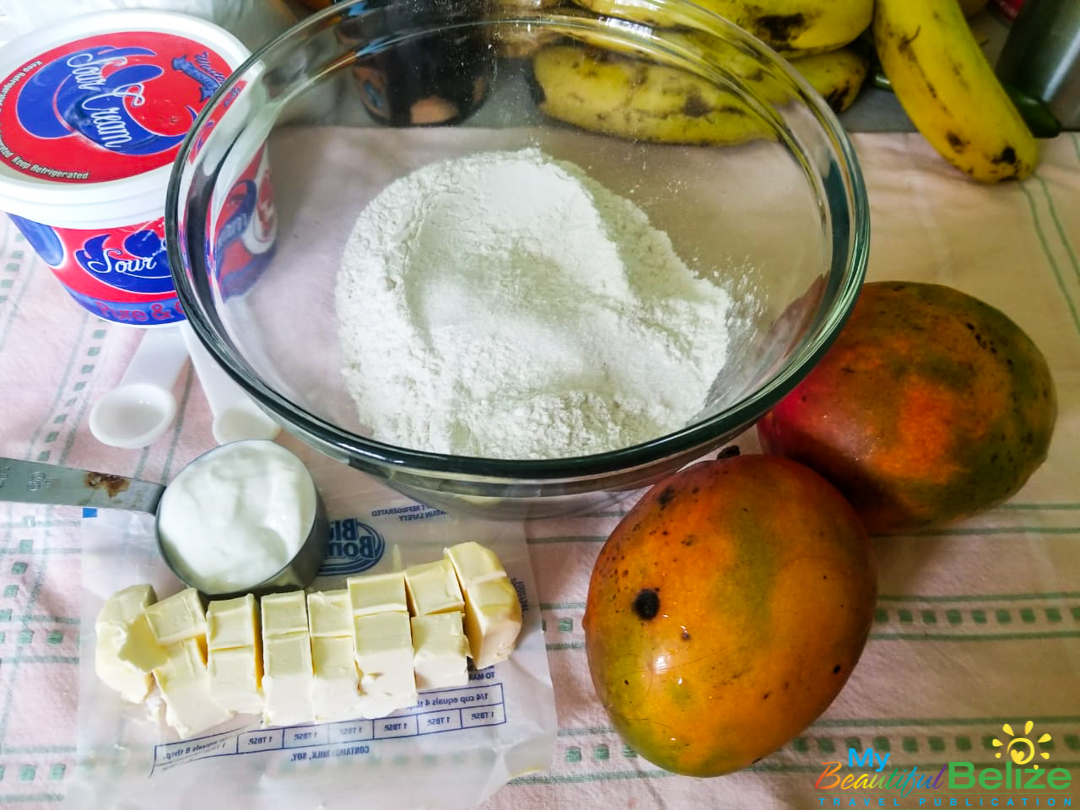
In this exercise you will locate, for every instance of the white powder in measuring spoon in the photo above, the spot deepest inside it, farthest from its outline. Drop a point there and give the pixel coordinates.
(506, 305)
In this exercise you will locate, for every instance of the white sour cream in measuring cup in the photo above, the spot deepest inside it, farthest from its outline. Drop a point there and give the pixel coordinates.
(236, 516)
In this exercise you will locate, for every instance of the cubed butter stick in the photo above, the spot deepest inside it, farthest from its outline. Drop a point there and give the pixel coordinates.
(377, 593)
(127, 604)
(433, 588)
(335, 693)
(439, 651)
(474, 563)
(235, 655)
(284, 613)
(177, 618)
(384, 656)
(287, 667)
(139, 648)
(112, 626)
(232, 623)
(492, 609)
(185, 685)
(330, 614)
(492, 621)
(236, 679)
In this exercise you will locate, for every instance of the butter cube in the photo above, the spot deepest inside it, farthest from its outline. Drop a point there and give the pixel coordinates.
(185, 685)
(287, 678)
(377, 593)
(335, 693)
(284, 613)
(492, 620)
(330, 614)
(384, 654)
(177, 618)
(433, 588)
(112, 627)
(126, 605)
(439, 651)
(132, 684)
(140, 648)
(232, 623)
(236, 678)
(474, 563)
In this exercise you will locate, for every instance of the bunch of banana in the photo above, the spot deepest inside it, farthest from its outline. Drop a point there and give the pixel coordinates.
(618, 95)
(602, 90)
(949, 90)
(928, 52)
(793, 27)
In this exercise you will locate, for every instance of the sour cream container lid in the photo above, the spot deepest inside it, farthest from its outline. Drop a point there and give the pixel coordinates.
(93, 111)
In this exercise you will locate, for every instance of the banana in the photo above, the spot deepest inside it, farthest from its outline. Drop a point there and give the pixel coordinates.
(949, 90)
(790, 26)
(615, 95)
(837, 76)
(604, 92)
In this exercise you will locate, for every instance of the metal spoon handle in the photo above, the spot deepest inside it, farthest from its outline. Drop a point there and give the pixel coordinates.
(31, 482)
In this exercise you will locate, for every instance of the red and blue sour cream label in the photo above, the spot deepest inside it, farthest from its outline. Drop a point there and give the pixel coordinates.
(107, 108)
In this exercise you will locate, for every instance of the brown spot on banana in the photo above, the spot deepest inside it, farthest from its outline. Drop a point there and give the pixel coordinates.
(694, 107)
(956, 142)
(838, 98)
(781, 29)
(1006, 157)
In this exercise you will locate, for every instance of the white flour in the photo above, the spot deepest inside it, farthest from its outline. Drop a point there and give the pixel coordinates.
(506, 305)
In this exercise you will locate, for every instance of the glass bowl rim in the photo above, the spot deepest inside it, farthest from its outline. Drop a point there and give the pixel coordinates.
(821, 333)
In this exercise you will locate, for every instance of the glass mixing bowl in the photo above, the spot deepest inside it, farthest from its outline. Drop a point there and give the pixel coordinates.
(290, 149)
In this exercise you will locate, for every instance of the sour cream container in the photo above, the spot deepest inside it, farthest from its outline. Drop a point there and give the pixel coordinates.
(92, 114)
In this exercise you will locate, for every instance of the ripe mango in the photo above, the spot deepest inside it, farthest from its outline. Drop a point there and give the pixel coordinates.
(726, 611)
(930, 407)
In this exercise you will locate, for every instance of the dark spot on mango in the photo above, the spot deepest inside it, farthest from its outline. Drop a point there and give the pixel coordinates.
(685, 634)
(766, 696)
(647, 604)
(664, 498)
(835, 669)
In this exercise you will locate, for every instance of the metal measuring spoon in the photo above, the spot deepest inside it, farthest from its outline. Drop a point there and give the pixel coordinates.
(33, 482)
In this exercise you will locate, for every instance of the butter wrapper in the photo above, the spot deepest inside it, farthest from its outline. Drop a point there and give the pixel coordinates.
(453, 748)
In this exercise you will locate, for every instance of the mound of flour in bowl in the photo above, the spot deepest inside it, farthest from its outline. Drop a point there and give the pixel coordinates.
(506, 305)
